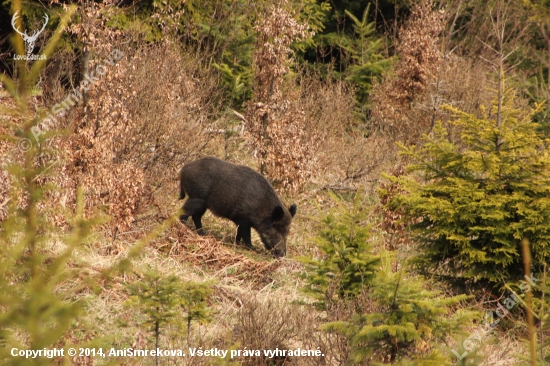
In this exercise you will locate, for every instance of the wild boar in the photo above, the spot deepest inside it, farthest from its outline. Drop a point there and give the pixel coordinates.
(240, 194)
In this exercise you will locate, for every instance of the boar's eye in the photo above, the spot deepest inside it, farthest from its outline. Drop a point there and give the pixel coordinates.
(278, 214)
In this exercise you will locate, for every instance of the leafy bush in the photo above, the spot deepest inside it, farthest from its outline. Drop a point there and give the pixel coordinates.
(367, 61)
(162, 299)
(406, 320)
(382, 313)
(35, 313)
(475, 200)
(347, 264)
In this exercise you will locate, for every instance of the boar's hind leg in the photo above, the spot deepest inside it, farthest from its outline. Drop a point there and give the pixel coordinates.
(243, 232)
(194, 207)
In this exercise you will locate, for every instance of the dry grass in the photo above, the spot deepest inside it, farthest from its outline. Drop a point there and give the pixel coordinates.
(209, 253)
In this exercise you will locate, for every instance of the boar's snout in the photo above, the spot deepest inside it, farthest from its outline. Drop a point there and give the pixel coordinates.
(280, 249)
(274, 241)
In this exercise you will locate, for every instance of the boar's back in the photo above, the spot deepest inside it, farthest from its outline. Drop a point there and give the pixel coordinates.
(233, 191)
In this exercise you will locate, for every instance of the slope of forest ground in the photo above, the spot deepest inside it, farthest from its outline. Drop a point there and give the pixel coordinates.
(412, 137)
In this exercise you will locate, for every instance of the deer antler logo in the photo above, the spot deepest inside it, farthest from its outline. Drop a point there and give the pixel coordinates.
(29, 40)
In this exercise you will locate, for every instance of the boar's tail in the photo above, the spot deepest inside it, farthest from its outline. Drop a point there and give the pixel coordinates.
(182, 191)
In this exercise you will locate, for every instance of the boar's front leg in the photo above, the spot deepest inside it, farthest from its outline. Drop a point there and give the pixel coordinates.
(194, 207)
(243, 232)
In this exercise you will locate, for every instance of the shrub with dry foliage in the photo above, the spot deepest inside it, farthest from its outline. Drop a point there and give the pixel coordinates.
(429, 75)
(174, 104)
(268, 325)
(419, 52)
(151, 112)
(419, 62)
(276, 121)
(392, 219)
(328, 107)
(145, 123)
(127, 134)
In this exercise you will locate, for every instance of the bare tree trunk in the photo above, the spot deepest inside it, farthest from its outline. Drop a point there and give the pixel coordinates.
(157, 338)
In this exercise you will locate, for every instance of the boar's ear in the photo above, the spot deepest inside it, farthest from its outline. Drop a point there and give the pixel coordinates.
(278, 214)
(292, 209)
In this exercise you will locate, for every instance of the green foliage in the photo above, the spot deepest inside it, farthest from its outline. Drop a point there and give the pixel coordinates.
(335, 20)
(405, 317)
(366, 61)
(236, 70)
(234, 37)
(225, 28)
(409, 321)
(34, 307)
(42, 283)
(35, 312)
(347, 264)
(477, 198)
(358, 47)
(157, 19)
(163, 298)
(314, 14)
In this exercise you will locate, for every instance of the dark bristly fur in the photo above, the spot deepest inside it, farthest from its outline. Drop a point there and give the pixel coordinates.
(240, 194)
